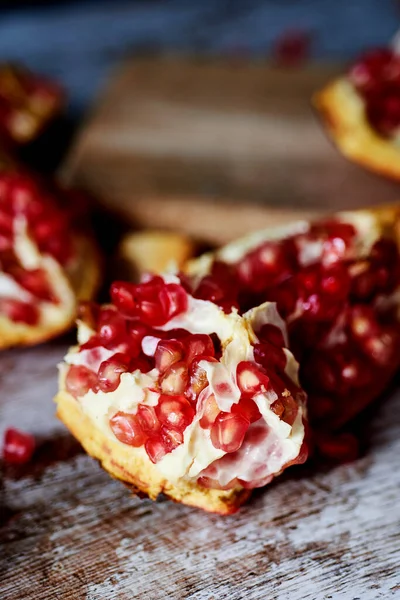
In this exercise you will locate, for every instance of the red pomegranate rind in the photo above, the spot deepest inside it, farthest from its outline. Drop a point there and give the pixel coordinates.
(18, 446)
(186, 399)
(340, 306)
(27, 104)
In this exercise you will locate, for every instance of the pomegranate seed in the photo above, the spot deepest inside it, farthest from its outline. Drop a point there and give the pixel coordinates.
(228, 431)
(158, 302)
(155, 448)
(80, 380)
(110, 372)
(175, 298)
(367, 73)
(383, 348)
(270, 356)
(247, 408)
(271, 334)
(210, 412)
(362, 322)
(250, 379)
(18, 446)
(175, 412)
(146, 416)
(127, 429)
(197, 377)
(198, 345)
(175, 379)
(123, 296)
(20, 312)
(111, 328)
(167, 353)
(141, 363)
(171, 438)
(383, 113)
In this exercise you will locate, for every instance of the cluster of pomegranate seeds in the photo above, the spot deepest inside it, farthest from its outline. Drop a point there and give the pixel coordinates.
(27, 104)
(376, 76)
(346, 340)
(47, 225)
(18, 446)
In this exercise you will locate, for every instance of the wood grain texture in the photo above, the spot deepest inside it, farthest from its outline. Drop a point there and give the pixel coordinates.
(215, 148)
(70, 532)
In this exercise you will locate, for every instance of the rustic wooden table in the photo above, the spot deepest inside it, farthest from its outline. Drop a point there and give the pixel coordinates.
(69, 532)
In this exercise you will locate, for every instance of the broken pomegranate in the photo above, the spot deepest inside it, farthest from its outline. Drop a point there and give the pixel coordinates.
(18, 446)
(27, 104)
(376, 78)
(168, 394)
(336, 284)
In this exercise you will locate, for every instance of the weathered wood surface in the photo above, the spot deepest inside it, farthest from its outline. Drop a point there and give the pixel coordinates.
(215, 148)
(69, 532)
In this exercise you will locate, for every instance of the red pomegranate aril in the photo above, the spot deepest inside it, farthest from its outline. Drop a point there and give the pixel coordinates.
(18, 446)
(175, 412)
(247, 408)
(172, 438)
(291, 410)
(175, 379)
(123, 295)
(228, 431)
(147, 419)
(286, 296)
(111, 327)
(210, 289)
(272, 334)
(369, 72)
(110, 370)
(175, 299)
(156, 448)
(362, 322)
(142, 363)
(197, 377)
(210, 412)
(383, 113)
(79, 380)
(167, 353)
(19, 312)
(250, 379)
(127, 429)
(384, 348)
(270, 356)
(198, 344)
(36, 282)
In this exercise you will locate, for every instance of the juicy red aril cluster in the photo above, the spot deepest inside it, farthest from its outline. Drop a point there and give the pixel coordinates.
(346, 340)
(27, 103)
(376, 76)
(126, 330)
(47, 224)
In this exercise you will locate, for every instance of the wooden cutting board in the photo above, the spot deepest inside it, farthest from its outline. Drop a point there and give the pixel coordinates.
(215, 149)
(169, 145)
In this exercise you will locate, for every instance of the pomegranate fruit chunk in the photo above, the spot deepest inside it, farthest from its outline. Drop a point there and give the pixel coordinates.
(80, 380)
(228, 431)
(18, 446)
(127, 429)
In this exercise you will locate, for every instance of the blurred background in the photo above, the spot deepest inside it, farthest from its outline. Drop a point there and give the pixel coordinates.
(202, 104)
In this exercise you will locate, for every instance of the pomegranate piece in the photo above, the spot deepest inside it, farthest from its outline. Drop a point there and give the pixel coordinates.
(147, 418)
(198, 345)
(175, 412)
(167, 353)
(127, 429)
(197, 377)
(228, 431)
(80, 380)
(175, 379)
(123, 296)
(156, 448)
(210, 412)
(110, 370)
(250, 379)
(20, 312)
(18, 446)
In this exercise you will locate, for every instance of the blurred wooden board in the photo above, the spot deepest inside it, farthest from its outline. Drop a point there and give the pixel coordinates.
(70, 532)
(215, 148)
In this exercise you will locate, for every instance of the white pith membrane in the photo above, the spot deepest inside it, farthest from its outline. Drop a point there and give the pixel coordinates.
(269, 444)
(52, 315)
